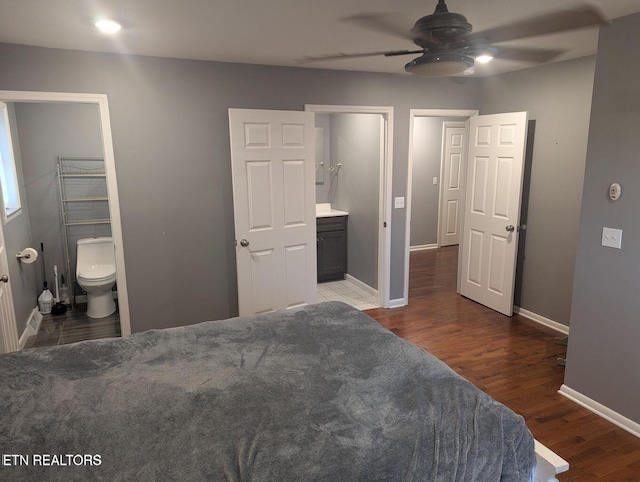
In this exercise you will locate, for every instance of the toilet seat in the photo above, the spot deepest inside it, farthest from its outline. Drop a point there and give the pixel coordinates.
(97, 273)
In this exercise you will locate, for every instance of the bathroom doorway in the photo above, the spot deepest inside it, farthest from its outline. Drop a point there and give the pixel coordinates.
(353, 177)
(38, 116)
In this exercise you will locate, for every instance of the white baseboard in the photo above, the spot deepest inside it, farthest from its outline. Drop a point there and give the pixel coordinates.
(554, 325)
(397, 303)
(422, 247)
(601, 410)
(361, 285)
(33, 325)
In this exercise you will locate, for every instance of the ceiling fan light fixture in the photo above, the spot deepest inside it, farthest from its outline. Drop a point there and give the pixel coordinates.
(108, 26)
(443, 64)
(484, 58)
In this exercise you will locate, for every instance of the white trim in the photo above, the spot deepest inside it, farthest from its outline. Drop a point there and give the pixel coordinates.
(422, 247)
(554, 325)
(548, 464)
(397, 303)
(30, 330)
(386, 183)
(112, 185)
(363, 286)
(601, 410)
(413, 113)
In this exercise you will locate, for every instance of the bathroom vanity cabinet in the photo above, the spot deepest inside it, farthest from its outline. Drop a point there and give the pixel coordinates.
(331, 239)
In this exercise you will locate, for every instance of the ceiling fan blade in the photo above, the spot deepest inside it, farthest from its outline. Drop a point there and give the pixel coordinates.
(552, 22)
(307, 59)
(526, 54)
(379, 22)
(382, 23)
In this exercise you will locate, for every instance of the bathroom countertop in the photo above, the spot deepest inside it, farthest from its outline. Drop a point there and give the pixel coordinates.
(325, 210)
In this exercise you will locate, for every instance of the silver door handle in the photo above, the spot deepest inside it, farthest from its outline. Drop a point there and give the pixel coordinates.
(4, 278)
(511, 228)
(244, 243)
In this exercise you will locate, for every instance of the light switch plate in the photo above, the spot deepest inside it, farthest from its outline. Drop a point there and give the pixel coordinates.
(612, 238)
(399, 202)
(435, 181)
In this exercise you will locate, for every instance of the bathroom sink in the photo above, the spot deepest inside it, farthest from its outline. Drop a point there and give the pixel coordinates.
(324, 210)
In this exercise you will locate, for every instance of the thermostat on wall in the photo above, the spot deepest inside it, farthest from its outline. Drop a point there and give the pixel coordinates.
(614, 191)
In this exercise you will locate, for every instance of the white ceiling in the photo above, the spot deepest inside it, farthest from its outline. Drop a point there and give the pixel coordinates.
(275, 32)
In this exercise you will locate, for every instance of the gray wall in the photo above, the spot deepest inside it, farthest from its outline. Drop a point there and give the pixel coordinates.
(355, 143)
(17, 235)
(171, 141)
(46, 131)
(425, 196)
(558, 98)
(603, 355)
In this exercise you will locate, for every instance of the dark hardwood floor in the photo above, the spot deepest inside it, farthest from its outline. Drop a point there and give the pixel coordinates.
(73, 326)
(514, 361)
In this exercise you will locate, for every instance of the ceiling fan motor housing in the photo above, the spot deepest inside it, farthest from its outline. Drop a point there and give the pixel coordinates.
(440, 26)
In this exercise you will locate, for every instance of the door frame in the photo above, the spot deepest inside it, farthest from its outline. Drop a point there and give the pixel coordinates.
(8, 328)
(385, 189)
(110, 169)
(413, 113)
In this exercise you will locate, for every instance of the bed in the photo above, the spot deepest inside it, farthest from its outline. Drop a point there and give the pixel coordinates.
(318, 393)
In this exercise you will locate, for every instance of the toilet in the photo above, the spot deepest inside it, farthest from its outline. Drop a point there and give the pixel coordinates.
(96, 274)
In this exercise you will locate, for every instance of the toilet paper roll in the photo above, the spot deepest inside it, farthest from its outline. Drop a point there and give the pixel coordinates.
(28, 255)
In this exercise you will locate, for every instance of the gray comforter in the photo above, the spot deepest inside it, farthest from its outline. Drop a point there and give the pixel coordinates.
(322, 393)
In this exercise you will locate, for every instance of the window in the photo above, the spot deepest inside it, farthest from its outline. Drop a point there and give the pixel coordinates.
(8, 177)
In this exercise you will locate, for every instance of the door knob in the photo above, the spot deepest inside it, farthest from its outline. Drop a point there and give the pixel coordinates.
(244, 243)
(4, 278)
(511, 228)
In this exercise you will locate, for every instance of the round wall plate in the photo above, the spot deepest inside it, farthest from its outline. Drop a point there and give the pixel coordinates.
(614, 191)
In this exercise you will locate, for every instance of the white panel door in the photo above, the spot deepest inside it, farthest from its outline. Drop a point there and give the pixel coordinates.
(492, 209)
(8, 328)
(452, 183)
(273, 168)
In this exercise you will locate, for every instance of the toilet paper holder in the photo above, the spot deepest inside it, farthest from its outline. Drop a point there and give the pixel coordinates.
(27, 255)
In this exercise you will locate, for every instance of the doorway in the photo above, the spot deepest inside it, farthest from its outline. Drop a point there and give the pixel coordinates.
(97, 103)
(428, 233)
(343, 168)
(491, 216)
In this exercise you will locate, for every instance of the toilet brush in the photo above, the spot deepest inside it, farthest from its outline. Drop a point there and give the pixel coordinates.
(45, 300)
(59, 308)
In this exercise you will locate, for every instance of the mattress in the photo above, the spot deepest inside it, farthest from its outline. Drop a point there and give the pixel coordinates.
(320, 393)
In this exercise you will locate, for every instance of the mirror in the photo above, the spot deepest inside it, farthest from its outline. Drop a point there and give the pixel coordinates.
(319, 155)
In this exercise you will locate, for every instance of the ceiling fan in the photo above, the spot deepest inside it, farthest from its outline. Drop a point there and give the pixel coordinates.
(448, 46)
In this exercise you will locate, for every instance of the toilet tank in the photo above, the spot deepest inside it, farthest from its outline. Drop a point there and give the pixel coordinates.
(92, 251)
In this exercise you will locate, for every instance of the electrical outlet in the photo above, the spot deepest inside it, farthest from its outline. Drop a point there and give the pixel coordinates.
(612, 238)
(399, 202)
